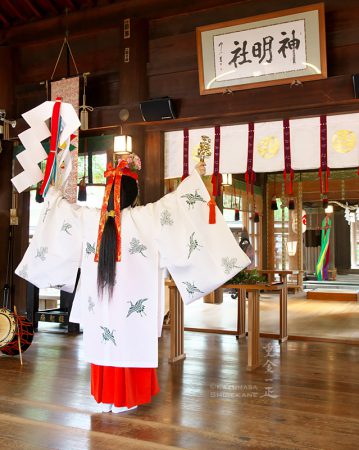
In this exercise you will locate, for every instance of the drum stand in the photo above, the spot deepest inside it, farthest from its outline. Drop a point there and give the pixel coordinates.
(18, 336)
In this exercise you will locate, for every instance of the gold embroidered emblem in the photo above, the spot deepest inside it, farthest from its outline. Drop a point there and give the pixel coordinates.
(344, 141)
(268, 147)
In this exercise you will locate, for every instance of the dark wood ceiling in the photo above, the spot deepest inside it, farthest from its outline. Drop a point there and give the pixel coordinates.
(20, 12)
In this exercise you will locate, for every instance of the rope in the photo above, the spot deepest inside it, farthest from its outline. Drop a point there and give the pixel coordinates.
(58, 58)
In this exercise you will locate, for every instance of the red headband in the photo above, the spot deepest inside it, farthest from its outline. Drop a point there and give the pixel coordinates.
(114, 177)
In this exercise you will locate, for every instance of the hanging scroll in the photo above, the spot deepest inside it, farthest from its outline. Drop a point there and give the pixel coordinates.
(68, 89)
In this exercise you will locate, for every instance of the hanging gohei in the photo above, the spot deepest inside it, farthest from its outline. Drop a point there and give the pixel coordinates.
(84, 109)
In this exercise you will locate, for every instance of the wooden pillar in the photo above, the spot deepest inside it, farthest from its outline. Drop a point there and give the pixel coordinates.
(253, 329)
(176, 326)
(21, 242)
(270, 260)
(153, 166)
(241, 314)
(7, 104)
(133, 61)
(133, 85)
(283, 311)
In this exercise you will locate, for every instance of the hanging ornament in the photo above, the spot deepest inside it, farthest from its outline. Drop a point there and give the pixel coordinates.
(82, 197)
(50, 169)
(273, 205)
(325, 201)
(212, 211)
(256, 214)
(185, 153)
(217, 177)
(324, 171)
(291, 204)
(288, 173)
(250, 174)
(236, 206)
(84, 109)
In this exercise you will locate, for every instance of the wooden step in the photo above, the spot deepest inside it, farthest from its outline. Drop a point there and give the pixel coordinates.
(336, 295)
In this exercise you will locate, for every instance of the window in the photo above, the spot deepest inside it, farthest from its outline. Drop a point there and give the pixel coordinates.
(238, 199)
(281, 221)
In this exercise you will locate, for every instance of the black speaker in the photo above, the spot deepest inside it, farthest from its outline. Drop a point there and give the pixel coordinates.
(157, 109)
(355, 78)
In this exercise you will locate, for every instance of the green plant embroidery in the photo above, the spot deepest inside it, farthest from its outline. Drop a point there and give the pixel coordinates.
(229, 264)
(166, 218)
(41, 253)
(137, 247)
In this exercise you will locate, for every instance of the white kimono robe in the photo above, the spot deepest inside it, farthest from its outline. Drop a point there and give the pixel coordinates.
(171, 233)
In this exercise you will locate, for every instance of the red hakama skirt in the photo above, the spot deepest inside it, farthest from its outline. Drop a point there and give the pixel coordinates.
(123, 386)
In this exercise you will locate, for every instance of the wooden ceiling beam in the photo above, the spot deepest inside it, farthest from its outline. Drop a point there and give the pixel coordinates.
(4, 20)
(14, 11)
(70, 4)
(49, 6)
(33, 8)
(102, 17)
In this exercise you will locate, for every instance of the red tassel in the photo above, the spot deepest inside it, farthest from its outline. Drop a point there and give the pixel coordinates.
(212, 211)
(236, 215)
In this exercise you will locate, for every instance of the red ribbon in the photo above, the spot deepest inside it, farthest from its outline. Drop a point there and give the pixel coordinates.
(185, 153)
(288, 171)
(216, 177)
(55, 131)
(114, 177)
(324, 169)
(250, 175)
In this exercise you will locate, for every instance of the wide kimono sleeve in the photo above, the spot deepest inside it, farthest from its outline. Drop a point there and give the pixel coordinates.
(199, 256)
(54, 254)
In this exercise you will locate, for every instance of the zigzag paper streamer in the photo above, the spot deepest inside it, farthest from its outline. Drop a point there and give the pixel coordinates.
(31, 139)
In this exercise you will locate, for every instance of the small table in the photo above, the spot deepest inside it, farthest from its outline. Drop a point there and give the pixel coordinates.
(253, 314)
(283, 307)
(177, 322)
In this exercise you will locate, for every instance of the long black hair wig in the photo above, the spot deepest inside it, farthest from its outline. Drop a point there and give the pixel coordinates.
(106, 270)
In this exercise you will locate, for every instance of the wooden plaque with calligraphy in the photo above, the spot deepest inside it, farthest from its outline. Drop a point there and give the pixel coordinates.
(276, 48)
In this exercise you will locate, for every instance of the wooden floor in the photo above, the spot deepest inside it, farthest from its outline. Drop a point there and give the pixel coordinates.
(208, 402)
(310, 318)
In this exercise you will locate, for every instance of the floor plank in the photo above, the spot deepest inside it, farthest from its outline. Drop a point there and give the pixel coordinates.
(309, 401)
